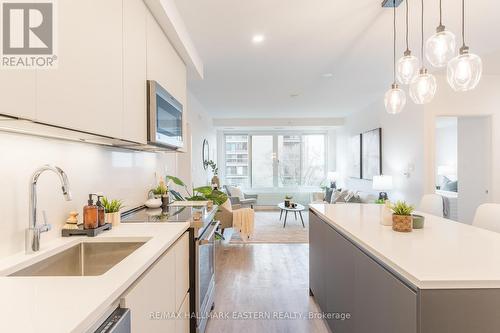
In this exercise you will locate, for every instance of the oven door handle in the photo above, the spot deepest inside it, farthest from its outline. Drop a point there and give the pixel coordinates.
(208, 238)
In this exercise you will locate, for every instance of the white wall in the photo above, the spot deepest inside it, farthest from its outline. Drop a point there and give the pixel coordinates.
(446, 144)
(201, 127)
(409, 138)
(402, 137)
(119, 174)
(474, 165)
(483, 101)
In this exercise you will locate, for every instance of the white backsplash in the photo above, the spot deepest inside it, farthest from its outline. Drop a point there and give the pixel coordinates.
(117, 173)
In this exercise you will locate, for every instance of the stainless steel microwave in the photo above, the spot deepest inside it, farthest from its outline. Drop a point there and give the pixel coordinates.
(164, 117)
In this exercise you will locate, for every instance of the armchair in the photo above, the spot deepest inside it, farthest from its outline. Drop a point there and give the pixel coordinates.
(237, 197)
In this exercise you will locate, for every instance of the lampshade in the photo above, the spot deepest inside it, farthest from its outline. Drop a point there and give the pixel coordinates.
(407, 68)
(423, 87)
(332, 176)
(464, 71)
(382, 183)
(440, 47)
(395, 100)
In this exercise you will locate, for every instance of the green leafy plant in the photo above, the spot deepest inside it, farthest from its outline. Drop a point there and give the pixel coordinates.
(177, 181)
(380, 201)
(160, 190)
(111, 206)
(203, 193)
(207, 193)
(212, 166)
(402, 208)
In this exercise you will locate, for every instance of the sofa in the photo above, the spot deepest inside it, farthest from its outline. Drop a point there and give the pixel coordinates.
(346, 196)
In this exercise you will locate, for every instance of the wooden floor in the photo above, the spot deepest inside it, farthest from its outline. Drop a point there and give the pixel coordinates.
(263, 280)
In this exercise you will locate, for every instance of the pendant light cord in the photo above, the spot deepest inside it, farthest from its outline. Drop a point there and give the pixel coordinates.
(422, 37)
(394, 42)
(440, 13)
(463, 23)
(407, 22)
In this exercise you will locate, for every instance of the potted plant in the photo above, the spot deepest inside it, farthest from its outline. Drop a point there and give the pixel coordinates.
(288, 200)
(112, 210)
(215, 172)
(402, 220)
(161, 192)
(203, 193)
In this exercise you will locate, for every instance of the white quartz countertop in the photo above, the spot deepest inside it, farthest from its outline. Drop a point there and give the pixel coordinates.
(444, 255)
(74, 304)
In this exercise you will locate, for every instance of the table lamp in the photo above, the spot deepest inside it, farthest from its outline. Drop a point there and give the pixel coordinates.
(332, 177)
(382, 183)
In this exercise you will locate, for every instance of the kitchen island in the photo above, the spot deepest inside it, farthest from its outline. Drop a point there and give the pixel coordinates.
(443, 278)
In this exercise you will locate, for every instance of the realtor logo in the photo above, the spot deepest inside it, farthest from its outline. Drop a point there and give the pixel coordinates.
(28, 34)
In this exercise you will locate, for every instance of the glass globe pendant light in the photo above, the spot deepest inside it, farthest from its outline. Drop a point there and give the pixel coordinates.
(440, 47)
(395, 98)
(423, 86)
(465, 70)
(407, 66)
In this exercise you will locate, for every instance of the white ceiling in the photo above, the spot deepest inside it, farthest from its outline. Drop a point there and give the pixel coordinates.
(305, 39)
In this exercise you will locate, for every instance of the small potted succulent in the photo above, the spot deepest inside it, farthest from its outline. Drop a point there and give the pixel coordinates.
(161, 192)
(402, 220)
(288, 200)
(112, 210)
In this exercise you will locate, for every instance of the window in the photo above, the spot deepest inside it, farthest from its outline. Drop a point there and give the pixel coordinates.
(275, 160)
(262, 161)
(289, 160)
(237, 168)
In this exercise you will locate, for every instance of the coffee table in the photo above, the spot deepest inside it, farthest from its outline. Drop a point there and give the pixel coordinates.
(295, 210)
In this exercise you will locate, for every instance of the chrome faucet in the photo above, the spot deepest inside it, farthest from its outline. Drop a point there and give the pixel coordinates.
(34, 231)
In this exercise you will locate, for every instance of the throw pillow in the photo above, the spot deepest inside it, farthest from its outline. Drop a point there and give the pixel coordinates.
(451, 186)
(236, 192)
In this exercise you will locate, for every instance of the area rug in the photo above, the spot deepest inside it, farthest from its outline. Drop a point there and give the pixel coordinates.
(269, 229)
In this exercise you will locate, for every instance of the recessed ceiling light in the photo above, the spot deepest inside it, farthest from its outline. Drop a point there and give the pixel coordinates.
(257, 39)
(327, 75)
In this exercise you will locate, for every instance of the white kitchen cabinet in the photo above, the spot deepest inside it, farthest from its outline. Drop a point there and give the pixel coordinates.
(182, 321)
(181, 269)
(163, 63)
(166, 67)
(152, 299)
(134, 71)
(85, 92)
(18, 93)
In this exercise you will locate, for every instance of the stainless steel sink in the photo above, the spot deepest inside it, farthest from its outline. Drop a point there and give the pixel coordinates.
(84, 259)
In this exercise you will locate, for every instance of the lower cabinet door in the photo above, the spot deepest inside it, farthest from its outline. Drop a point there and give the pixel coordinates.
(152, 299)
(182, 321)
(383, 304)
(339, 275)
(316, 265)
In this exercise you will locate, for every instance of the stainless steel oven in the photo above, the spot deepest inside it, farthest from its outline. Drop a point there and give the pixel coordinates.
(164, 117)
(205, 275)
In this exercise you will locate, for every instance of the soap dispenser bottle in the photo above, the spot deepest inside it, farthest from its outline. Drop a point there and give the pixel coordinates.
(100, 212)
(90, 214)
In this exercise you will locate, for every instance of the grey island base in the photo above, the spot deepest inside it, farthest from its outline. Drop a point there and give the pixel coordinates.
(346, 277)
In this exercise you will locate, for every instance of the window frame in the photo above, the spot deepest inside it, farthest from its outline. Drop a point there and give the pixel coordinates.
(274, 134)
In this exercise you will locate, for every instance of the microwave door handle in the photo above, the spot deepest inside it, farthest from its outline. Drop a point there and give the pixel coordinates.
(206, 240)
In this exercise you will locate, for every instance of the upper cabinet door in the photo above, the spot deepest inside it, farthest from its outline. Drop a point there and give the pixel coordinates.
(18, 93)
(163, 63)
(85, 92)
(134, 71)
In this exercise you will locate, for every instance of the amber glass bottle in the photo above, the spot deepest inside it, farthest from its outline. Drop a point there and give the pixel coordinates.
(100, 212)
(90, 215)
